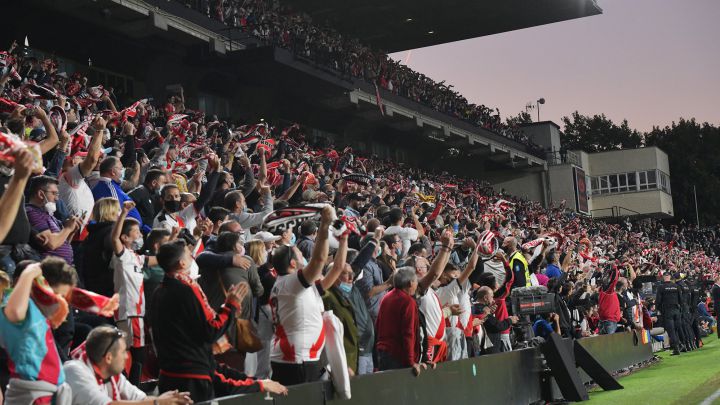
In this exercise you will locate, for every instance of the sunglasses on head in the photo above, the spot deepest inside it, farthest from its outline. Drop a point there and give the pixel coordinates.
(117, 336)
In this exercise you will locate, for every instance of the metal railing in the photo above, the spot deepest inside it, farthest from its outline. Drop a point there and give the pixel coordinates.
(616, 211)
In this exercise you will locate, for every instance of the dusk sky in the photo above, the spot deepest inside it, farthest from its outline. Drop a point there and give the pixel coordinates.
(650, 61)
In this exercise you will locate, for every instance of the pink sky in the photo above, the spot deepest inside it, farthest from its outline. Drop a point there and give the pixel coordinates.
(650, 61)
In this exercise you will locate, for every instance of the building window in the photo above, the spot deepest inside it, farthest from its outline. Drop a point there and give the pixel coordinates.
(630, 182)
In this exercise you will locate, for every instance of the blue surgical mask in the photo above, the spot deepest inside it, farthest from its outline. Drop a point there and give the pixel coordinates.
(345, 288)
(305, 262)
(293, 238)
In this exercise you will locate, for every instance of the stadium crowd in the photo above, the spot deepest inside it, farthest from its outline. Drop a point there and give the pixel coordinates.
(152, 242)
(280, 26)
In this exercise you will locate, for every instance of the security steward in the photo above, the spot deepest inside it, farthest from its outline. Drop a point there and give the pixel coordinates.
(667, 300)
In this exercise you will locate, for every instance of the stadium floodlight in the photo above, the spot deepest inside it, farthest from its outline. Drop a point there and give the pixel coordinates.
(431, 32)
(541, 100)
(408, 20)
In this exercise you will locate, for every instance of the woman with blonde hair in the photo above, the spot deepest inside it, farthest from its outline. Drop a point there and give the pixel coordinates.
(256, 250)
(95, 271)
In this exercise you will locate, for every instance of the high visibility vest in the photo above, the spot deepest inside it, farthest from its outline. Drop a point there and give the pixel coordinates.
(519, 256)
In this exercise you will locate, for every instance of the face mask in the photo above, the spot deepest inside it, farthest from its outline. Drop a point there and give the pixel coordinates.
(305, 262)
(122, 174)
(345, 287)
(293, 239)
(172, 206)
(50, 207)
(137, 244)
(398, 251)
(378, 253)
(194, 270)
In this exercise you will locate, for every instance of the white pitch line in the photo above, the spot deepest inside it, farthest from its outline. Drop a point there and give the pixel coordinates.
(709, 400)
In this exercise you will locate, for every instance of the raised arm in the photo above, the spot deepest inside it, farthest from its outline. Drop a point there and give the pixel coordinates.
(416, 221)
(338, 264)
(312, 271)
(51, 140)
(117, 228)
(10, 200)
(17, 304)
(441, 260)
(472, 262)
(93, 156)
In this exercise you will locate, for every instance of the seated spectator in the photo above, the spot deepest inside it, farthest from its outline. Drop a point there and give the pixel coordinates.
(96, 375)
(43, 195)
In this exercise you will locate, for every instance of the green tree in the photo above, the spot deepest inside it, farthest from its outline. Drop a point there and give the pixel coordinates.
(598, 133)
(692, 150)
(523, 117)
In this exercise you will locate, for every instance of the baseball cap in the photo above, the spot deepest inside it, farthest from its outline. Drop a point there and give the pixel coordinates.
(265, 237)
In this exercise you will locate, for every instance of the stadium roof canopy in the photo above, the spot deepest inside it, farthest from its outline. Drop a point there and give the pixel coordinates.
(396, 25)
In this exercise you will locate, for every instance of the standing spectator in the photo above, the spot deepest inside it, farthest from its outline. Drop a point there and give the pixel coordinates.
(407, 235)
(43, 192)
(372, 285)
(74, 190)
(215, 283)
(184, 328)
(609, 305)
(97, 275)
(499, 333)
(128, 280)
(337, 299)
(174, 214)
(235, 202)
(297, 308)
(553, 269)
(715, 292)
(147, 195)
(308, 233)
(398, 343)
(455, 292)
(109, 184)
(12, 193)
(518, 263)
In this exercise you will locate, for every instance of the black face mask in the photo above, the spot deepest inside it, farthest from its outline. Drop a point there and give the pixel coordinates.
(172, 206)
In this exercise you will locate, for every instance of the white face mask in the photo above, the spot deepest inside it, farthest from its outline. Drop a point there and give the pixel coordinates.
(137, 244)
(50, 207)
(194, 270)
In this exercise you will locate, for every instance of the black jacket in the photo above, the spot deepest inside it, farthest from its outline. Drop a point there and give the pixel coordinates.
(147, 203)
(184, 327)
(96, 273)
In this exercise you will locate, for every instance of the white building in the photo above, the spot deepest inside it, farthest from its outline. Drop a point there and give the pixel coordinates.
(626, 182)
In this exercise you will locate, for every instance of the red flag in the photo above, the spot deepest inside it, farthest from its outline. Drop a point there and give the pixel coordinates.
(378, 100)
